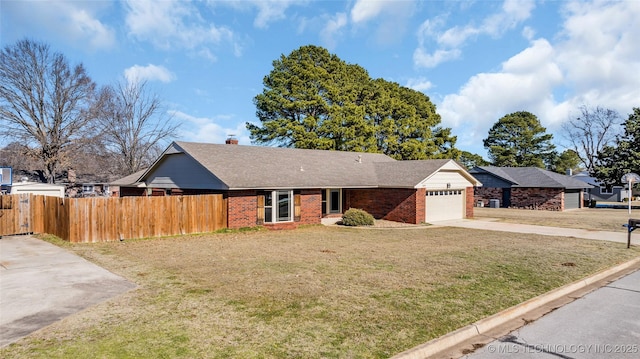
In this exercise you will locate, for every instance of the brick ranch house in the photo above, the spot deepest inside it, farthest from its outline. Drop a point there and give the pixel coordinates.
(528, 188)
(283, 187)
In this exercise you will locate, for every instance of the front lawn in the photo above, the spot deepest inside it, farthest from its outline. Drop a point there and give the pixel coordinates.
(315, 292)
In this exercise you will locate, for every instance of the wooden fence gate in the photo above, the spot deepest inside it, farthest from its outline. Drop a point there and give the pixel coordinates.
(15, 214)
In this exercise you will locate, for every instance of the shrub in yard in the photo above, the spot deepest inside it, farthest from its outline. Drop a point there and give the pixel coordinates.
(357, 217)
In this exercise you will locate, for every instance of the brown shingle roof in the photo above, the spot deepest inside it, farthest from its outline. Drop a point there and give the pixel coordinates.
(250, 167)
(274, 167)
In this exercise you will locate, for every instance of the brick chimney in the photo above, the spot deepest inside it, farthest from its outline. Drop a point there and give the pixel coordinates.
(231, 140)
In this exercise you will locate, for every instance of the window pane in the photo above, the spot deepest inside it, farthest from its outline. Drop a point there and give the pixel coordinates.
(267, 199)
(325, 209)
(284, 201)
(335, 201)
(268, 215)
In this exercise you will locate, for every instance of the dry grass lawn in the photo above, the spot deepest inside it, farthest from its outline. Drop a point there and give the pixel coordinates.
(315, 292)
(602, 219)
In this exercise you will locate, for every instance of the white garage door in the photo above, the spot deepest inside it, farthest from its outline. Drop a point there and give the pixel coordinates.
(444, 205)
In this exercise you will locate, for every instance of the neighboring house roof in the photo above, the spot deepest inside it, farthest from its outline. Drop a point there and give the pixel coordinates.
(584, 177)
(259, 167)
(131, 180)
(532, 177)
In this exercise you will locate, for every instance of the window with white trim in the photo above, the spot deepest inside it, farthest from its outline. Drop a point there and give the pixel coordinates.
(278, 206)
(606, 190)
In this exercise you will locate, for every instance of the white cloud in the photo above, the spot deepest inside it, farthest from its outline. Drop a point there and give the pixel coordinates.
(389, 18)
(364, 10)
(332, 29)
(76, 22)
(524, 83)
(600, 53)
(150, 72)
(449, 41)
(270, 11)
(173, 24)
(203, 129)
(432, 60)
(595, 60)
(419, 84)
(84, 25)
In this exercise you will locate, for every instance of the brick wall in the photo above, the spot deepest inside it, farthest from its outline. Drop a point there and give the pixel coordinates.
(394, 204)
(310, 206)
(242, 210)
(548, 199)
(469, 202)
(484, 194)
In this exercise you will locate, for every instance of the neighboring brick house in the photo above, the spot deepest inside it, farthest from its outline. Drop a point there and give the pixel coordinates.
(528, 188)
(283, 187)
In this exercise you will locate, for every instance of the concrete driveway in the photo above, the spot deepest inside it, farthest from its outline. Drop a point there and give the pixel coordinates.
(41, 283)
(489, 225)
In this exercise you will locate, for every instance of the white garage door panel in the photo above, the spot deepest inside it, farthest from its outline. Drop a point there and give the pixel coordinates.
(444, 205)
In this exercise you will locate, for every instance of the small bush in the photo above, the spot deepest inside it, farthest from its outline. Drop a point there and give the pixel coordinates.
(357, 217)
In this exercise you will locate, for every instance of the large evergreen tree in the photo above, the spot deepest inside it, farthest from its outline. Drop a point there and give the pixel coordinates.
(622, 157)
(519, 140)
(313, 99)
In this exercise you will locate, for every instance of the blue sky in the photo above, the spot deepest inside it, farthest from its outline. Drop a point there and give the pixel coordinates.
(476, 60)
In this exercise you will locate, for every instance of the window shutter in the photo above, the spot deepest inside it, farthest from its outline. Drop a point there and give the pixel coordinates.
(260, 214)
(296, 207)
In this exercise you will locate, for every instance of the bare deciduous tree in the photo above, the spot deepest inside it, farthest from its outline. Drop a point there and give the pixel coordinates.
(590, 132)
(134, 124)
(44, 103)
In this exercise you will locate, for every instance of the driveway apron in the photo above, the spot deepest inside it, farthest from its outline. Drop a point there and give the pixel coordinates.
(41, 283)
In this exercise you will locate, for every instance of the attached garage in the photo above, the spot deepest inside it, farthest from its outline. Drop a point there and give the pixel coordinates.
(446, 193)
(444, 205)
(572, 199)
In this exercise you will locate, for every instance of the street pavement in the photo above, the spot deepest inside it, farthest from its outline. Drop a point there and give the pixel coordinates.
(602, 324)
(41, 283)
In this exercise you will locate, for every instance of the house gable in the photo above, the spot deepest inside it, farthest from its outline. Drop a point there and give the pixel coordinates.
(450, 175)
(178, 170)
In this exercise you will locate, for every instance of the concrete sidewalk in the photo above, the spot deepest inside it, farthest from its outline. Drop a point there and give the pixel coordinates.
(41, 283)
(489, 225)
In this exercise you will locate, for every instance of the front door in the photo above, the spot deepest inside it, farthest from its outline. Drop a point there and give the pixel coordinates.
(506, 197)
(332, 201)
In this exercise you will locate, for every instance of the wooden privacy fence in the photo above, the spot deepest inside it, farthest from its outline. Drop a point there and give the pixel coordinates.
(109, 219)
